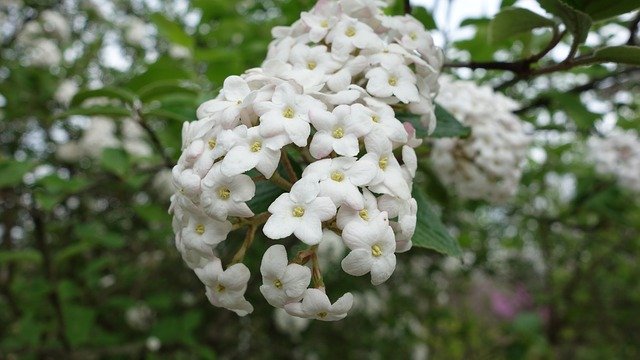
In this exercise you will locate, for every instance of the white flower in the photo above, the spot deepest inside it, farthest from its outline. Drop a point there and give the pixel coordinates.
(136, 31)
(300, 212)
(200, 228)
(320, 19)
(347, 214)
(338, 130)
(389, 179)
(54, 22)
(187, 182)
(350, 34)
(251, 150)
(226, 288)
(282, 283)
(289, 324)
(372, 247)
(316, 305)
(313, 59)
(340, 178)
(287, 114)
(398, 81)
(224, 196)
(229, 105)
(331, 248)
(66, 91)
(44, 53)
(383, 119)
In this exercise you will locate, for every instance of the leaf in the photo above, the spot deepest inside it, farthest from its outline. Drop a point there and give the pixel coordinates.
(171, 30)
(79, 322)
(600, 10)
(266, 193)
(447, 125)
(106, 92)
(424, 17)
(108, 110)
(12, 171)
(23, 255)
(511, 21)
(115, 160)
(619, 54)
(430, 232)
(577, 22)
(571, 105)
(166, 114)
(166, 87)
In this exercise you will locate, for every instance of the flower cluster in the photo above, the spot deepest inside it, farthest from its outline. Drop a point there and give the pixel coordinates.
(325, 97)
(618, 154)
(488, 164)
(42, 39)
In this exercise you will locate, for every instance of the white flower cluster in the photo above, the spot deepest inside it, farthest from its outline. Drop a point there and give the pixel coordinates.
(488, 164)
(42, 39)
(618, 154)
(326, 91)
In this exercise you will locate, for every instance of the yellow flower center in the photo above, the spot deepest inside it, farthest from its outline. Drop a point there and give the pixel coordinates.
(364, 214)
(393, 81)
(256, 146)
(375, 118)
(324, 23)
(298, 211)
(350, 32)
(238, 102)
(224, 193)
(322, 315)
(212, 143)
(200, 229)
(383, 162)
(413, 36)
(311, 65)
(278, 283)
(337, 176)
(288, 112)
(376, 250)
(338, 133)
(220, 288)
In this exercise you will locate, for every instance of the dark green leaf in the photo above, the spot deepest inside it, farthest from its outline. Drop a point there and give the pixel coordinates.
(511, 21)
(447, 125)
(578, 23)
(79, 322)
(599, 9)
(619, 54)
(266, 192)
(12, 171)
(430, 232)
(106, 92)
(112, 111)
(20, 255)
(171, 30)
(161, 88)
(167, 114)
(115, 160)
(424, 17)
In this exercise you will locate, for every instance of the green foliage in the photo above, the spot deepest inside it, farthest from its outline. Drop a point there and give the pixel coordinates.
(578, 23)
(619, 54)
(512, 21)
(430, 232)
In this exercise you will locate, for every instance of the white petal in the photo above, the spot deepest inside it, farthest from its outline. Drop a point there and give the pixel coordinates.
(321, 145)
(322, 208)
(280, 226)
(357, 262)
(296, 279)
(309, 230)
(383, 269)
(274, 261)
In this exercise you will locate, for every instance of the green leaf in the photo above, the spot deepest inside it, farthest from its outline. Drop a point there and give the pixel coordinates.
(23, 255)
(166, 114)
(511, 21)
(578, 23)
(115, 160)
(266, 193)
(171, 30)
(12, 172)
(106, 92)
(79, 322)
(161, 88)
(424, 17)
(430, 232)
(619, 54)
(108, 110)
(447, 125)
(571, 105)
(599, 9)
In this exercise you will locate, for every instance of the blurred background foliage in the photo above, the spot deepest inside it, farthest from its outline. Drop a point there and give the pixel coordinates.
(88, 268)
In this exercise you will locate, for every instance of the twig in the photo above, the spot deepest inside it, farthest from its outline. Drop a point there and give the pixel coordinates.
(47, 266)
(316, 274)
(291, 173)
(407, 7)
(137, 112)
(280, 181)
(633, 29)
(246, 244)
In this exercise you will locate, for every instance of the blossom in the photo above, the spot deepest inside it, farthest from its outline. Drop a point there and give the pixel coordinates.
(389, 179)
(617, 154)
(251, 150)
(339, 179)
(287, 113)
(316, 305)
(300, 212)
(350, 34)
(202, 228)
(229, 104)
(320, 20)
(224, 196)
(372, 249)
(348, 214)
(226, 288)
(397, 80)
(338, 130)
(282, 283)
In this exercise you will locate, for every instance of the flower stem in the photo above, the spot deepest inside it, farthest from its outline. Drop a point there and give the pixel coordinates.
(316, 274)
(246, 244)
(289, 168)
(280, 181)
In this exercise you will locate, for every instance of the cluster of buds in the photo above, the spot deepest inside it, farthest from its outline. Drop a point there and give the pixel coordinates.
(326, 96)
(617, 154)
(488, 164)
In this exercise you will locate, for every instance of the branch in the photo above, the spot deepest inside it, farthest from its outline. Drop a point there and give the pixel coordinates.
(291, 173)
(407, 7)
(633, 29)
(47, 266)
(155, 140)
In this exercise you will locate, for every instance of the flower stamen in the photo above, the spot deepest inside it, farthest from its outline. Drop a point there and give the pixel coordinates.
(298, 211)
